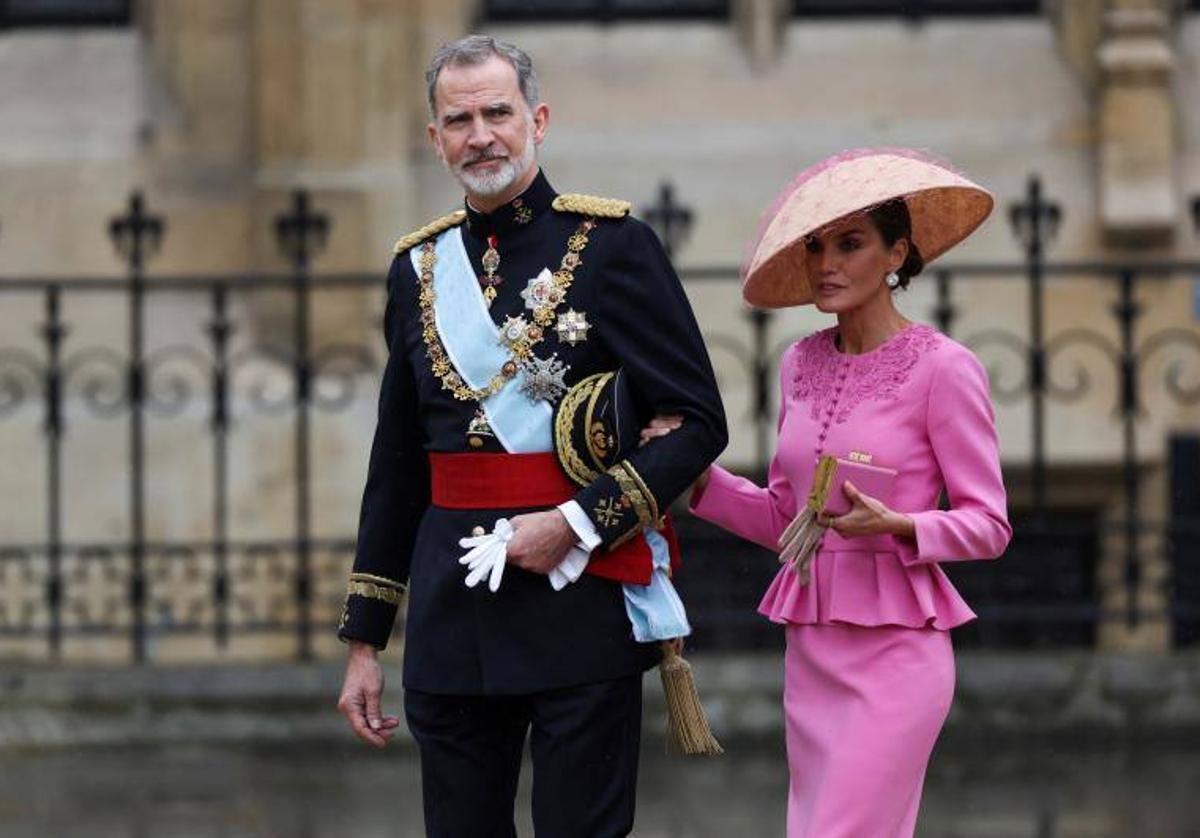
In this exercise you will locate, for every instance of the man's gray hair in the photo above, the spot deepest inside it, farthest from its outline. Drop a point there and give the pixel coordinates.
(476, 49)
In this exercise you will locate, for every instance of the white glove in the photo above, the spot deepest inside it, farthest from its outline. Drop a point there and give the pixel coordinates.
(488, 555)
(570, 568)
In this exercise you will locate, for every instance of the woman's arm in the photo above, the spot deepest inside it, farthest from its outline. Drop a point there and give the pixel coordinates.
(739, 505)
(962, 430)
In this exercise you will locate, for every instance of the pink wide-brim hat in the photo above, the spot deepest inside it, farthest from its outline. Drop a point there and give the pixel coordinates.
(945, 207)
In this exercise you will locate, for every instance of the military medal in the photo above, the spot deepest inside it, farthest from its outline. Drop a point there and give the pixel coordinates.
(572, 327)
(544, 378)
(543, 293)
(479, 429)
(491, 263)
(519, 335)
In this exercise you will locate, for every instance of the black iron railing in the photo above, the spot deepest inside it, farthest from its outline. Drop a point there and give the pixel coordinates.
(915, 9)
(601, 11)
(607, 11)
(62, 13)
(68, 365)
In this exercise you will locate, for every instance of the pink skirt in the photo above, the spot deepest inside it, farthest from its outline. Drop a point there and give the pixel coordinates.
(863, 709)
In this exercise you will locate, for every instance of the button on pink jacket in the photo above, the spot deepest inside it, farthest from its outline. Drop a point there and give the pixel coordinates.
(918, 403)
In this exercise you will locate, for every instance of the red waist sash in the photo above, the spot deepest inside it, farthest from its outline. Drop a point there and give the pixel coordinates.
(517, 481)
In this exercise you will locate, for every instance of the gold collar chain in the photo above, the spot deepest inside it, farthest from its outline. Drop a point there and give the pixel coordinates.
(544, 316)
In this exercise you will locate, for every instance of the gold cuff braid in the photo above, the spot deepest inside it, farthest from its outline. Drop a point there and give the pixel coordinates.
(645, 505)
(376, 587)
(632, 485)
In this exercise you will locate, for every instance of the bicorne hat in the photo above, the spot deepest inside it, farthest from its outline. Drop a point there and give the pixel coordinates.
(595, 426)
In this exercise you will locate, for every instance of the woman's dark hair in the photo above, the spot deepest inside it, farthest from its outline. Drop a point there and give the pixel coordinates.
(893, 222)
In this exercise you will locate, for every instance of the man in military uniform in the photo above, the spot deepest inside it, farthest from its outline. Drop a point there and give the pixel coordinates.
(493, 312)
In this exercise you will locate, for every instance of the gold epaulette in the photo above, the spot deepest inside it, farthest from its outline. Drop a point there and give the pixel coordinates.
(431, 229)
(592, 206)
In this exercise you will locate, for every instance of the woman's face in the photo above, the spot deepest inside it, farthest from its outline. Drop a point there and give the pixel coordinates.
(848, 262)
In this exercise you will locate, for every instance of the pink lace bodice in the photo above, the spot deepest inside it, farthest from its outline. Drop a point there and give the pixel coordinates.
(879, 374)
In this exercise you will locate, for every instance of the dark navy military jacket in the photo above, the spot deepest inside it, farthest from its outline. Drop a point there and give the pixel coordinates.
(527, 637)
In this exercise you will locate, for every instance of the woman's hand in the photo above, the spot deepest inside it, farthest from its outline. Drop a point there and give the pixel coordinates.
(869, 516)
(660, 426)
(663, 425)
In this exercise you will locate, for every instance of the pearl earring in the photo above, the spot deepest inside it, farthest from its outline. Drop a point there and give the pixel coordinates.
(893, 279)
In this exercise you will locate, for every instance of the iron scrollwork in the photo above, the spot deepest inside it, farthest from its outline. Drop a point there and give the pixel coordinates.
(1175, 382)
(337, 369)
(21, 377)
(102, 383)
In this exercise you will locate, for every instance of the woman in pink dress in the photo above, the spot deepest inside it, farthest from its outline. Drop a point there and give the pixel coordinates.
(869, 669)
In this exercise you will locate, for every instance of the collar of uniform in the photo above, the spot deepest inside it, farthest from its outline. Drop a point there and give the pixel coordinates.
(514, 215)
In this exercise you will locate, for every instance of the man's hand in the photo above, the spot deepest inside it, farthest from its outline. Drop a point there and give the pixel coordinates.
(359, 701)
(540, 541)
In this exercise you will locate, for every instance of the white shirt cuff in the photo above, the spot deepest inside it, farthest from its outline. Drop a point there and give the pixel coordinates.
(589, 539)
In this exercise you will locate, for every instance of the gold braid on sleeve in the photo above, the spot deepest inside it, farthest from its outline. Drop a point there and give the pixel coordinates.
(376, 587)
(644, 502)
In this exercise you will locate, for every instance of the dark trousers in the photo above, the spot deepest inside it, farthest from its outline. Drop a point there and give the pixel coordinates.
(584, 744)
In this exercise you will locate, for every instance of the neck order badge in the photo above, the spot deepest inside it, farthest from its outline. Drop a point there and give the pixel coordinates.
(491, 263)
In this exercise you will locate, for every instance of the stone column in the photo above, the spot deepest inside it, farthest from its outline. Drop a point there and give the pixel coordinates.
(1136, 121)
(340, 111)
(1122, 52)
(1139, 204)
(197, 141)
(1080, 25)
(761, 25)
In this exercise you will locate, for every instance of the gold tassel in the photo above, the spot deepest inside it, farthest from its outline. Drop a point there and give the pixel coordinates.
(687, 726)
(799, 542)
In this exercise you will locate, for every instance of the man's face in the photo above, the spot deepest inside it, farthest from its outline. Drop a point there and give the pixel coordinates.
(484, 130)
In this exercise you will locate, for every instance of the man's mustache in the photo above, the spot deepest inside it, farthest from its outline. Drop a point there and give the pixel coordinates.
(483, 158)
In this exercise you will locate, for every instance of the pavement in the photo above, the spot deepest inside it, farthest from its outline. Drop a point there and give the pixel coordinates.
(1068, 695)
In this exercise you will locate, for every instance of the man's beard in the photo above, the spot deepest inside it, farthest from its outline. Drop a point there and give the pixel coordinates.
(493, 183)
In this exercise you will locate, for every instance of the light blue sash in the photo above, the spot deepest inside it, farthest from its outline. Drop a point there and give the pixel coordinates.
(472, 342)
(655, 610)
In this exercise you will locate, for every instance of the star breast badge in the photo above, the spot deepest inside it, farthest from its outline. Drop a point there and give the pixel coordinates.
(544, 378)
(541, 291)
(572, 327)
(513, 330)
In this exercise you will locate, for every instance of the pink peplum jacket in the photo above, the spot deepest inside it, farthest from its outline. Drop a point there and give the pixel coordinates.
(918, 403)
